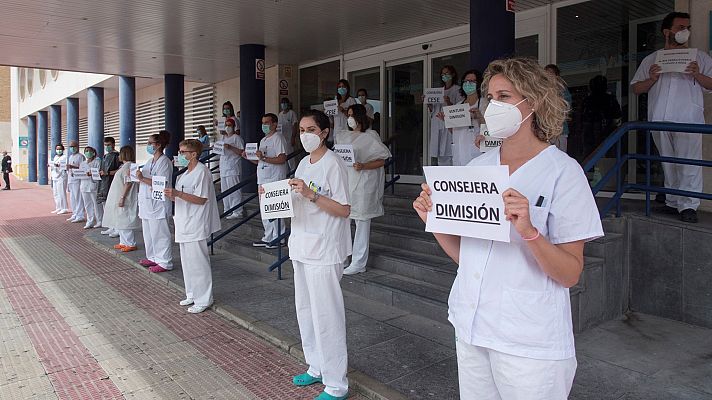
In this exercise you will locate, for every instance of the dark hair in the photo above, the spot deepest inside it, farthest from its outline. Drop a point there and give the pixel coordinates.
(272, 117)
(362, 90)
(109, 139)
(127, 154)
(162, 137)
(360, 116)
(90, 148)
(345, 83)
(322, 121)
(554, 68)
(201, 128)
(452, 70)
(670, 18)
(478, 78)
(229, 104)
(284, 100)
(59, 145)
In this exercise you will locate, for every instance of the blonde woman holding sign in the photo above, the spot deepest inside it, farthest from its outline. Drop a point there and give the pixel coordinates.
(319, 245)
(121, 210)
(366, 180)
(510, 301)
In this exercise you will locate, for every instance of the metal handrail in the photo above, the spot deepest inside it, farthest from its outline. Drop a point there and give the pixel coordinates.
(622, 159)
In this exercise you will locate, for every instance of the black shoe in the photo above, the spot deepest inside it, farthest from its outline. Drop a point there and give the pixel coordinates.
(666, 210)
(660, 198)
(259, 243)
(7, 188)
(688, 215)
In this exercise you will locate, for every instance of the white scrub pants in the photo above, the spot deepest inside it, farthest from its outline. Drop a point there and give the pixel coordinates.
(678, 176)
(198, 279)
(322, 323)
(127, 237)
(89, 200)
(359, 257)
(75, 195)
(486, 374)
(271, 229)
(59, 189)
(226, 182)
(158, 243)
(99, 212)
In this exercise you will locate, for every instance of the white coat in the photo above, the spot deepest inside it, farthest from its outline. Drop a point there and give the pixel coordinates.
(463, 139)
(126, 217)
(149, 208)
(441, 137)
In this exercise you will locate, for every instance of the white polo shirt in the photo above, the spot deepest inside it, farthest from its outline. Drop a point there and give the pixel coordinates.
(195, 222)
(272, 146)
(501, 298)
(230, 161)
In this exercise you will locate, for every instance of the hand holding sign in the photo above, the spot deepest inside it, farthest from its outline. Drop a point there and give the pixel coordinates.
(331, 107)
(158, 186)
(218, 148)
(675, 60)
(457, 116)
(276, 201)
(434, 96)
(516, 209)
(251, 151)
(95, 174)
(346, 152)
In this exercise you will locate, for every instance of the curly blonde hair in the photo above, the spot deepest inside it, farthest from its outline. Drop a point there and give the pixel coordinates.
(542, 90)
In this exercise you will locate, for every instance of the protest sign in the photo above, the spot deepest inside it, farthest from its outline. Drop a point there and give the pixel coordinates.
(276, 201)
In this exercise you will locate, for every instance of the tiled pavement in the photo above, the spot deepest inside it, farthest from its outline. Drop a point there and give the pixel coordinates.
(80, 323)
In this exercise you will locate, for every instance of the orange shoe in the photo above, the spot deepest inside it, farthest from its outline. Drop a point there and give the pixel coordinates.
(126, 249)
(119, 246)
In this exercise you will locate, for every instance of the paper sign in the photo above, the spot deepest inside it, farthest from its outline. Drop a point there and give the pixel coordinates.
(158, 185)
(279, 129)
(63, 163)
(675, 60)
(467, 201)
(95, 174)
(251, 151)
(488, 143)
(221, 125)
(218, 148)
(331, 107)
(133, 169)
(434, 96)
(457, 116)
(80, 173)
(346, 152)
(276, 202)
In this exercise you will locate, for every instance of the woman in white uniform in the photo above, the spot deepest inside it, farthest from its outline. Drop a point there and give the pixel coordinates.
(121, 210)
(319, 246)
(231, 168)
(154, 214)
(363, 100)
(366, 181)
(74, 160)
(441, 137)
(196, 217)
(463, 139)
(89, 188)
(59, 180)
(343, 95)
(288, 125)
(510, 301)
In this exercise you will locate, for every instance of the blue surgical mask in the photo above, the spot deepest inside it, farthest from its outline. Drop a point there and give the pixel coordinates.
(89, 154)
(72, 150)
(181, 160)
(469, 87)
(341, 91)
(108, 149)
(150, 149)
(265, 128)
(284, 106)
(227, 112)
(446, 78)
(59, 152)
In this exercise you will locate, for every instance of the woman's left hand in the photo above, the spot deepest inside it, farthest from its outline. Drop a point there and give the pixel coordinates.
(358, 166)
(301, 187)
(516, 209)
(170, 193)
(478, 140)
(139, 175)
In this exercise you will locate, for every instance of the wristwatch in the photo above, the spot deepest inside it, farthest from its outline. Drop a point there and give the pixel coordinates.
(315, 198)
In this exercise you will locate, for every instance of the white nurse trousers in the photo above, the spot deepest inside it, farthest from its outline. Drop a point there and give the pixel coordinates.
(158, 243)
(679, 176)
(91, 208)
(75, 195)
(486, 374)
(197, 277)
(226, 182)
(59, 189)
(362, 237)
(271, 229)
(127, 237)
(322, 323)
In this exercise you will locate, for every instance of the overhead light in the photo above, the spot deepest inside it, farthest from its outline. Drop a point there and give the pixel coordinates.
(577, 16)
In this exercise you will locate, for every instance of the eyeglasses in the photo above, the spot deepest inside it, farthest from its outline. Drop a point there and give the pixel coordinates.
(184, 152)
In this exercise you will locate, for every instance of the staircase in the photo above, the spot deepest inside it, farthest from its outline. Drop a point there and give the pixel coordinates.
(408, 270)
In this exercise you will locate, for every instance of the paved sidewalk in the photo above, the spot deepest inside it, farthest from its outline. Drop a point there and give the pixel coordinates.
(80, 323)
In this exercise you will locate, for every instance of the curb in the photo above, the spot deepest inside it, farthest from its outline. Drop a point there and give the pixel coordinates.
(358, 381)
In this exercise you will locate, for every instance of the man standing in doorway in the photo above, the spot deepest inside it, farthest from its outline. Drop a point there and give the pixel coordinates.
(6, 169)
(677, 97)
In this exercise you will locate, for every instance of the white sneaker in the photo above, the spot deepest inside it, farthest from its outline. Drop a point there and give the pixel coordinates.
(60, 212)
(232, 216)
(239, 214)
(54, 212)
(197, 309)
(71, 219)
(78, 220)
(97, 225)
(106, 232)
(186, 302)
(114, 234)
(352, 270)
(88, 226)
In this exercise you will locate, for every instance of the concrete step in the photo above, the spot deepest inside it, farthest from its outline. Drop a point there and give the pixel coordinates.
(415, 240)
(433, 269)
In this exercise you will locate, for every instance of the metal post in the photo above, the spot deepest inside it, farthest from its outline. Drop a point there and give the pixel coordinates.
(175, 111)
(32, 148)
(619, 188)
(95, 119)
(647, 173)
(42, 147)
(127, 111)
(279, 249)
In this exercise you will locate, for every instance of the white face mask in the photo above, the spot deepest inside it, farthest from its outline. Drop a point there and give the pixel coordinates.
(310, 141)
(230, 130)
(503, 119)
(681, 37)
(362, 99)
(352, 122)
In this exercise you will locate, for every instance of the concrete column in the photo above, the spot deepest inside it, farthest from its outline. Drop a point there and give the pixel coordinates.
(252, 102)
(32, 148)
(127, 111)
(42, 147)
(174, 111)
(95, 119)
(72, 119)
(55, 129)
(491, 32)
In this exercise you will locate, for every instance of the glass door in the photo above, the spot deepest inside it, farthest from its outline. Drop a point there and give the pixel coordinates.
(404, 82)
(368, 80)
(531, 34)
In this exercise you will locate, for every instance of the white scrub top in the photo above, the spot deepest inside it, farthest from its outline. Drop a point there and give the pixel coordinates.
(147, 207)
(463, 139)
(75, 160)
(369, 109)
(441, 137)
(365, 186)
(340, 120)
(272, 146)
(90, 185)
(286, 122)
(501, 298)
(319, 238)
(675, 97)
(58, 172)
(230, 161)
(195, 222)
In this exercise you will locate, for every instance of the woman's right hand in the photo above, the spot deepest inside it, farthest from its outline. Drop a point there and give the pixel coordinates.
(440, 115)
(423, 204)
(121, 202)
(261, 190)
(478, 140)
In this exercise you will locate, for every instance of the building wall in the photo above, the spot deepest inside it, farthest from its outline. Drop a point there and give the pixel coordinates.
(5, 110)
